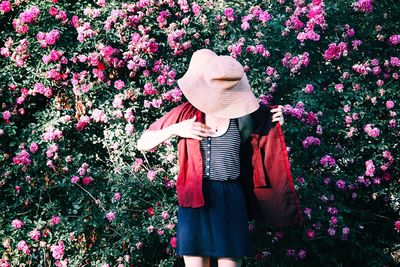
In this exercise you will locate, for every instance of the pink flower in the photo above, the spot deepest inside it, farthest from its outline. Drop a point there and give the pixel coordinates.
(99, 116)
(138, 164)
(196, 9)
(160, 231)
(172, 241)
(327, 160)
(58, 250)
(335, 51)
(53, 11)
(22, 158)
(363, 6)
(310, 233)
(7, 116)
(119, 84)
(117, 196)
(55, 220)
(311, 140)
(17, 224)
(35, 234)
(340, 184)
(30, 15)
(23, 246)
(87, 180)
(74, 179)
(309, 88)
(118, 102)
(139, 245)
(83, 121)
(4, 263)
(229, 14)
(129, 129)
(151, 175)
(394, 39)
(150, 229)
(5, 6)
(370, 168)
(110, 216)
(165, 215)
(389, 104)
(397, 226)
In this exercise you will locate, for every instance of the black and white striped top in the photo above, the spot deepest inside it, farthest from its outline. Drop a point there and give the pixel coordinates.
(221, 154)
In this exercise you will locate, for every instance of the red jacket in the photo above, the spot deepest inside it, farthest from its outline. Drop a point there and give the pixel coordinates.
(265, 172)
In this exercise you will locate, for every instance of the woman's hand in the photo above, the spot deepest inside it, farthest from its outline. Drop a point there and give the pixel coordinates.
(278, 114)
(192, 129)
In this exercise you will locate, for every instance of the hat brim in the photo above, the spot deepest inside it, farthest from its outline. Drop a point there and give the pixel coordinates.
(236, 102)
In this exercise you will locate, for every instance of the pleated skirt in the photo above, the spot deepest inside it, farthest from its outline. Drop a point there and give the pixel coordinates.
(218, 229)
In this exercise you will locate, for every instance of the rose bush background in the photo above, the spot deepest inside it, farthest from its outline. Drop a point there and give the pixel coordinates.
(80, 81)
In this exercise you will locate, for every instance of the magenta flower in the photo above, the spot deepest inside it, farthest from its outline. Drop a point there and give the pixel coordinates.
(311, 140)
(30, 15)
(83, 122)
(17, 224)
(310, 233)
(110, 216)
(229, 14)
(331, 231)
(370, 168)
(151, 175)
(5, 6)
(165, 215)
(335, 51)
(137, 165)
(196, 9)
(7, 116)
(58, 250)
(87, 180)
(117, 196)
(341, 184)
(55, 220)
(373, 132)
(172, 242)
(23, 246)
(309, 88)
(52, 134)
(139, 245)
(119, 84)
(22, 158)
(389, 104)
(302, 254)
(327, 161)
(35, 234)
(394, 39)
(363, 6)
(397, 226)
(74, 179)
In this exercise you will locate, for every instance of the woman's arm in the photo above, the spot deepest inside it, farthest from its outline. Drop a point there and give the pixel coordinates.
(187, 129)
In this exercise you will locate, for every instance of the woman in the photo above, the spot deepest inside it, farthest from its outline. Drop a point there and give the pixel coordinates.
(226, 140)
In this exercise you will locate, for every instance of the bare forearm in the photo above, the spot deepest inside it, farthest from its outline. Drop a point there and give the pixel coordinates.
(151, 139)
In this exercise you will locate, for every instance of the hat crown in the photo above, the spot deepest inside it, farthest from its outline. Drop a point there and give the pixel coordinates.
(217, 85)
(224, 72)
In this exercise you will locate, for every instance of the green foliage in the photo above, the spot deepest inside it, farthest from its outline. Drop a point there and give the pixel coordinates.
(116, 204)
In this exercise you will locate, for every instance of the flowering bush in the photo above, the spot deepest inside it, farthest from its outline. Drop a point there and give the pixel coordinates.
(80, 81)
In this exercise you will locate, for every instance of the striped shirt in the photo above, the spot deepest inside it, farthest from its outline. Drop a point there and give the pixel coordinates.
(221, 154)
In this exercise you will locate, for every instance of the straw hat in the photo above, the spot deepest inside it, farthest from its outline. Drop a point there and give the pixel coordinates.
(217, 85)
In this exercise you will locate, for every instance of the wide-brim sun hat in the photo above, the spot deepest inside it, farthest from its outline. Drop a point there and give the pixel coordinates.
(217, 85)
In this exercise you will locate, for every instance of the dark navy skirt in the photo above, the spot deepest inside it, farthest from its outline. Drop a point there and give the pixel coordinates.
(218, 229)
